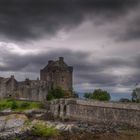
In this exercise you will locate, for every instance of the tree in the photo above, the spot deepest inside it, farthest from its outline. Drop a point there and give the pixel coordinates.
(98, 94)
(88, 95)
(75, 94)
(124, 100)
(134, 95)
(101, 95)
(55, 93)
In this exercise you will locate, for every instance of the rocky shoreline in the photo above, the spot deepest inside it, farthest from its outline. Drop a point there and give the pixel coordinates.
(15, 125)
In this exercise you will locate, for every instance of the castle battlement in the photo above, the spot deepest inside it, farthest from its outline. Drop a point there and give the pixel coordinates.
(55, 74)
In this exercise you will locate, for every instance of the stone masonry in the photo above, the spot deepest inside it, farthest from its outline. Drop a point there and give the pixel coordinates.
(127, 114)
(55, 74)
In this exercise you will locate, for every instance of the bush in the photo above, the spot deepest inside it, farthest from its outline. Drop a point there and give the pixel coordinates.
(56, 93)
(9, 100)
(98, 94)
(17, 105)
(75, 95)
(134, 96)
(14, 105)
(101, 95)
(42, 130)
(24, 105)
(88, 95)
(124, 100)
(50, 96)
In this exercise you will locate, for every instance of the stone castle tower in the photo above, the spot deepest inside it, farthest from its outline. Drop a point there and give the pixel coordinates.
(57, 74)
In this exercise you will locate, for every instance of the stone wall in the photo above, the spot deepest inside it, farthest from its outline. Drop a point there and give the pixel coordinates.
(7, 87)
(57, 74)
(99, 112)
(32, 90)
(31, 93)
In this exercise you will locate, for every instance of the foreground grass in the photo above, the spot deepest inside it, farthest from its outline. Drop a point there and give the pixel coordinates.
(17, 105)
(42, 130)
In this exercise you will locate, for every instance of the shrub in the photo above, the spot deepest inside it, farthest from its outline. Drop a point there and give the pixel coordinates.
(9, 100)
(124, 100)
(50, 96)
(14, 105)
(24, 105)
(88, 95)
(101, 95)
(56, 93)
(42, 130)
(134, 95)
(75, 95)
(17, 105)
(98, 94)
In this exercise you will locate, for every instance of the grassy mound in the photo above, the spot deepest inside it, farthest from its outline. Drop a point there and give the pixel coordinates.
(42, 130)
(17, 105)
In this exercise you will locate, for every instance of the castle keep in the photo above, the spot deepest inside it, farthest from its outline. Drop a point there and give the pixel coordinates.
(55, 74)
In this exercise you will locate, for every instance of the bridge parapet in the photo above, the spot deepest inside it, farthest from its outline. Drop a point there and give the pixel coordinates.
(95, 111)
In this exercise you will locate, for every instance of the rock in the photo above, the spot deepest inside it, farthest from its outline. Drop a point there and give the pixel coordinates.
(8, 110)
(2, 123)
(14, 120)
(35, 113)
(12, 125)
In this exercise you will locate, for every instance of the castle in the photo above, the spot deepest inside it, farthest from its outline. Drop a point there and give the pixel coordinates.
(55, 74)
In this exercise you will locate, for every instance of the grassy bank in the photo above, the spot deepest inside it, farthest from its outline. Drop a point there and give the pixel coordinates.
(42, 130)
(17, 105)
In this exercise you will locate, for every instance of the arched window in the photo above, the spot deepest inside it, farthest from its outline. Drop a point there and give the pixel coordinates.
(62, 78)
(65, 110)
(59, 110)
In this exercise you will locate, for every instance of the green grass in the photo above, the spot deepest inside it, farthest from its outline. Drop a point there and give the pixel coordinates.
(42, 130)
(17, 105)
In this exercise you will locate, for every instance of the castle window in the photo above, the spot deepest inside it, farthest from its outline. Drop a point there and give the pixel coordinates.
(10, 95)
(62, 79)
(65, 110)
(28, 84)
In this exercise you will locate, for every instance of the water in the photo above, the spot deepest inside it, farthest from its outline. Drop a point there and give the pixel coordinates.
(119, 137)
(114, 96)
(125, 136)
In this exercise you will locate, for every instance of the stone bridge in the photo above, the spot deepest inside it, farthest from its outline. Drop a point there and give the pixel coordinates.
(96, 112)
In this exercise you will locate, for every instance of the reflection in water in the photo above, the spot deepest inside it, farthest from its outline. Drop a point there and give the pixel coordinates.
(88, 136)
(119, 137)
(125, 136)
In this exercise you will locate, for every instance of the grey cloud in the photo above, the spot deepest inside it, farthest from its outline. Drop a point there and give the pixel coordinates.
(18, 62)
(131, 30)
(85, 70)
(31, 19)
(98, 78)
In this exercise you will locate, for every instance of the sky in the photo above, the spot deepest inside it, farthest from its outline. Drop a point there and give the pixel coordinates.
(99, 38)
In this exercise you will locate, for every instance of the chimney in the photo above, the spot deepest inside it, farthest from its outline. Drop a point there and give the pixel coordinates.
(50, 61)
(61, 59)
(12, 77)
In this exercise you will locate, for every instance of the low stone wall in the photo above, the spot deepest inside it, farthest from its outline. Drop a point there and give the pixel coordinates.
(97, 112)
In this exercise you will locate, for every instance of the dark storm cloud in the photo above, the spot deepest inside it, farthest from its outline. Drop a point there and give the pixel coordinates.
(132, 30)
(97, 78)
(30, 19)
(17, 62)
(86, 70)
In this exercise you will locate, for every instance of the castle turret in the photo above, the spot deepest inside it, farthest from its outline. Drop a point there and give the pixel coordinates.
(57, 74)
(61, 59)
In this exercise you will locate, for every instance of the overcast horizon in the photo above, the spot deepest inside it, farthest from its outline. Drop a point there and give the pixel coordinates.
(99, 38)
